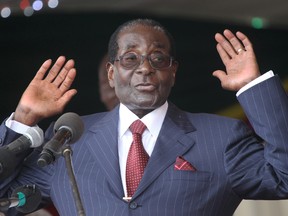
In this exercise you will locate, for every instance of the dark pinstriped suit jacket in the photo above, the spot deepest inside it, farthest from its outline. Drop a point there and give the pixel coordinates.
(231, 162)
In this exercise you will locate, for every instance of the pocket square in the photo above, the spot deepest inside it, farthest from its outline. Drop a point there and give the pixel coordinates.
(182, 164)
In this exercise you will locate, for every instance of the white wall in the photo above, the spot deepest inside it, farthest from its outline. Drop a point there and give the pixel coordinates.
(262, 208)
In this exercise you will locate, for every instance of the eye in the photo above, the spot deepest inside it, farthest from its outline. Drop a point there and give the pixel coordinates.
(159, 57)
(130, 57)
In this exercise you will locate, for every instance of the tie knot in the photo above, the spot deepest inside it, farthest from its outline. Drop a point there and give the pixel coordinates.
(137, 127)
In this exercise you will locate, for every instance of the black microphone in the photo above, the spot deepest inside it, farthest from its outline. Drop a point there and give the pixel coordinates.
(68, 129)
(25, 199)
(13, 154)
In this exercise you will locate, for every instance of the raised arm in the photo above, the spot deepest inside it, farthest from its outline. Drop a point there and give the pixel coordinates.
(48, 93)
(237, 54)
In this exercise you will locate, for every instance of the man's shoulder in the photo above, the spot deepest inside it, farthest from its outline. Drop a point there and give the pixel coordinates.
(174, 110)
(94, 116)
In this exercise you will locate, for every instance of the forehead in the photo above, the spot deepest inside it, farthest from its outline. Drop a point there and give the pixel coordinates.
(145, 37)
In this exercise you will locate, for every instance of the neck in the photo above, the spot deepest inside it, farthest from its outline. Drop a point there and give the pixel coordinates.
(140, 112)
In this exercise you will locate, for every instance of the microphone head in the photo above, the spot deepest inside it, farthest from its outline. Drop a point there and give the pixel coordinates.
(29, 198)
(73, 123)
(35, 135)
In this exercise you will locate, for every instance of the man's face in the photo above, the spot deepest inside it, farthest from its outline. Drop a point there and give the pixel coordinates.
(143, 87)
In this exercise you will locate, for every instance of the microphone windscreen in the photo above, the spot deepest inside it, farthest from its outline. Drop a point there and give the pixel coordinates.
(73, 122)
(35, 135)
(32, 196)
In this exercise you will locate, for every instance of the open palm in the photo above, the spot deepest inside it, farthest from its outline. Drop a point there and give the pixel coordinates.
(47, 95)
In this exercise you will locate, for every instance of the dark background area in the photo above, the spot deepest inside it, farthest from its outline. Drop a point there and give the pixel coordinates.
(26, 42)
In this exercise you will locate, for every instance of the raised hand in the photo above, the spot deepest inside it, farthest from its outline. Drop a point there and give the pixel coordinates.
(238, 56)
(47, 94)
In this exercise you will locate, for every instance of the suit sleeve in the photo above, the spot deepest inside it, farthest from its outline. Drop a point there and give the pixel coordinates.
(259, 169)
(28, 172)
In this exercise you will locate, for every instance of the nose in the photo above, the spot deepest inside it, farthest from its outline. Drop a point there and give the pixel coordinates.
(145, 66)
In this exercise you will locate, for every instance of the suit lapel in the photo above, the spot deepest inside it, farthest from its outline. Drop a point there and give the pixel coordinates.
(173, 141)
(104, 147)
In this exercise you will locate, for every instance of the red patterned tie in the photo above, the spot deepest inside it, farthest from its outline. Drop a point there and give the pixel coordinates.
(137, 158)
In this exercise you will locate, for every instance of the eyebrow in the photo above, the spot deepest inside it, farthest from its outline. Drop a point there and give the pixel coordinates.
(156, 44)
(159, 45)
(130, 46)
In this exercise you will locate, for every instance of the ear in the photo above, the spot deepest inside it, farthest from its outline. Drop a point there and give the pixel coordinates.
(110, 73)
(174, 69)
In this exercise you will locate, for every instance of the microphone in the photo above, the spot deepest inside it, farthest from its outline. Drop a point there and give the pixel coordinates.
(68, 129)
(13, 154)
(25, 199)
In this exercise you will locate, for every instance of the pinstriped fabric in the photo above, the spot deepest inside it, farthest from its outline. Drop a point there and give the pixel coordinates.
(231, 163)
(270, 122)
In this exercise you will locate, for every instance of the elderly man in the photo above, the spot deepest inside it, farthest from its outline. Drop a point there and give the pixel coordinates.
(148, 157)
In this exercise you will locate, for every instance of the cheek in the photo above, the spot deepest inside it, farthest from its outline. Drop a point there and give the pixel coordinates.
(118, 78)
(122, 83)
(168, 81)
(172, 80)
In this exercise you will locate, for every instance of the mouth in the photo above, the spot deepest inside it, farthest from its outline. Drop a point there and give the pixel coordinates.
(145, 87)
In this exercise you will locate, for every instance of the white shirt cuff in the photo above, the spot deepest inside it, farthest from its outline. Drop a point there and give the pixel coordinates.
(16, 126)
(260, 79)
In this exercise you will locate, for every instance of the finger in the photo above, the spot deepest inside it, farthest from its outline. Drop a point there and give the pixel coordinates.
(225, 44)
(67, 82)
(67, 96)
(221, 75)
(63, 73)
(234, 41)
(55, 68)
(245, 41)
(43, 69)
(223, 54)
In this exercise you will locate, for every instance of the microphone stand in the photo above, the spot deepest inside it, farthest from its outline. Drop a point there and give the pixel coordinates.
(67, 152)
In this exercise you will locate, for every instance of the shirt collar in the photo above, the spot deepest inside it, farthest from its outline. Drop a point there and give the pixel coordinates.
(152, 120)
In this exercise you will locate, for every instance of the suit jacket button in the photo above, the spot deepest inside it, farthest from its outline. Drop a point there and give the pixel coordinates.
(133, 205)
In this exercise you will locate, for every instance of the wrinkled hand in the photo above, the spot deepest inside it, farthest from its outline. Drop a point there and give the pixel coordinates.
(47, 94)
(237, 54)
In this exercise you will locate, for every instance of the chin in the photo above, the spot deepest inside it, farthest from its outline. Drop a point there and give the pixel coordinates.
(148, 104)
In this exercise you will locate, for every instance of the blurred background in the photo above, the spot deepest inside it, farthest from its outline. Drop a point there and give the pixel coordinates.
(32, 31)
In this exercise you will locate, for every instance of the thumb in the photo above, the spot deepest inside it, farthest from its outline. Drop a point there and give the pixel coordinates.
(219, 74)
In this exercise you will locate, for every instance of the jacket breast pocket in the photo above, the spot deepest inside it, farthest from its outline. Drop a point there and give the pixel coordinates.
(185, 186)
(200, 176)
